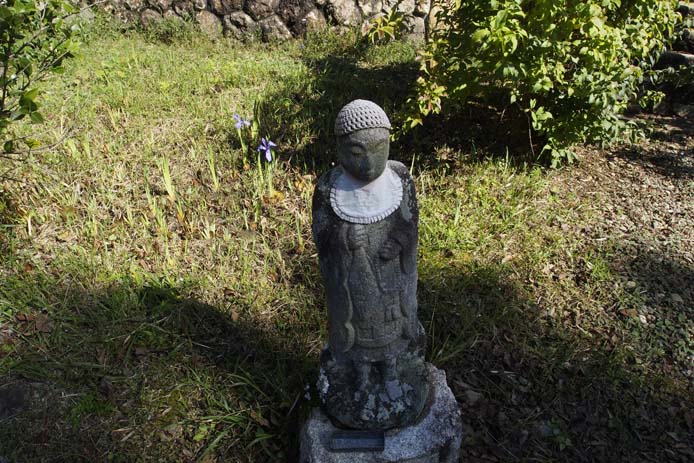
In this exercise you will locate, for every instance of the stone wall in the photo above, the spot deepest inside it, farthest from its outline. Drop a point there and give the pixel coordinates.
(270, 19)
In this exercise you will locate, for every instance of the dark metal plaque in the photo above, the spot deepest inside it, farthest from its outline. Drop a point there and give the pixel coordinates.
(358, 441)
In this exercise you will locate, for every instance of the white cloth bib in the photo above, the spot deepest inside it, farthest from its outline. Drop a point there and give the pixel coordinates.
(356, 201)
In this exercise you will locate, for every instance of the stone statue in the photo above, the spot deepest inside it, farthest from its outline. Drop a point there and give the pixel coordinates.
(365, 219)
(380, 402)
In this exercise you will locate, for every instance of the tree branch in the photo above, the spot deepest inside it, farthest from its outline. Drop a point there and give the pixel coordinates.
(4, 176)
(9, 155)
(44, 28)
(5, 65)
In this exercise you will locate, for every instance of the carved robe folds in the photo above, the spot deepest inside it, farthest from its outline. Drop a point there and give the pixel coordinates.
(368, 261)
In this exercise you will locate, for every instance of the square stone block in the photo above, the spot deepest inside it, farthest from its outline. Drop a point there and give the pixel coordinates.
(434, 438)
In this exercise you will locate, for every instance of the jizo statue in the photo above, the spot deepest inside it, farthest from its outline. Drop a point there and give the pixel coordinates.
(365, 220)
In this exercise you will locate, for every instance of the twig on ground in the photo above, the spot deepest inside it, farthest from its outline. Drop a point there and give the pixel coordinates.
(63, 137)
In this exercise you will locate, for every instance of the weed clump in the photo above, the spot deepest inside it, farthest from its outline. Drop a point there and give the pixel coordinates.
(170, 31)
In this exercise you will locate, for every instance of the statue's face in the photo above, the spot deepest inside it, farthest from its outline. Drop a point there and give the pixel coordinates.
(364, 153)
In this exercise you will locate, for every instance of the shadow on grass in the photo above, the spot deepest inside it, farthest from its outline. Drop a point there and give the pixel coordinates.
(656, 276)
(145, 372)
(532, 389)
(657, 302)
(663, 158)
(141, 373)
(9, 219)
(301, 114)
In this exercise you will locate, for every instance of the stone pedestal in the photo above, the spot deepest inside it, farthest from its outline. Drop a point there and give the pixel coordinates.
(434, 438)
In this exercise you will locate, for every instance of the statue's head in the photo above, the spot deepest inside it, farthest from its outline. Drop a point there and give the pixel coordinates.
(363, 139)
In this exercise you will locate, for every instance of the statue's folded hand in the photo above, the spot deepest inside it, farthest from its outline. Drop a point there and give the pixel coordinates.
(390, 250)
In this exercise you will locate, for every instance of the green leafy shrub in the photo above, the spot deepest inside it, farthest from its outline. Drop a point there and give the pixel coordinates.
(35, 38)
(571, 66)
(388, 27)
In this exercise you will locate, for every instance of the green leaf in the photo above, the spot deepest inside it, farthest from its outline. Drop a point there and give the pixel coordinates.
(510, 71)
(500, 18)
(479, 35)
(598, 23)
(31, 143)
(18, 114)
(201, 433)
(30, 95)
(36, 117)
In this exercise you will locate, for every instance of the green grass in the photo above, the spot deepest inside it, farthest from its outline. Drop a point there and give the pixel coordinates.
(159, 301)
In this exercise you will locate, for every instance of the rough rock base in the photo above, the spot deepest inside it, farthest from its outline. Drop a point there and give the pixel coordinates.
(382, 404)
(434, 438)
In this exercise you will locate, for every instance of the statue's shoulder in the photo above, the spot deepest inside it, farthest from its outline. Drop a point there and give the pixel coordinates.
(321, 194)
(326, 181)
(409, 196)
(404, 173)
(400, 169)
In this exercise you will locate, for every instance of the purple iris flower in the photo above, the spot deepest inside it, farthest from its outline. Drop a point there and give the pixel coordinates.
(240, 121)
(266, 147)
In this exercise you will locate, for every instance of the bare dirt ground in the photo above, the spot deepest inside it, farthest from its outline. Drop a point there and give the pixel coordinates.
(643, 200)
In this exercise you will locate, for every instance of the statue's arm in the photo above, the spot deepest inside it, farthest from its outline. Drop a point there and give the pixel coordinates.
(322, 223)
(405, 232)
(330, 236)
